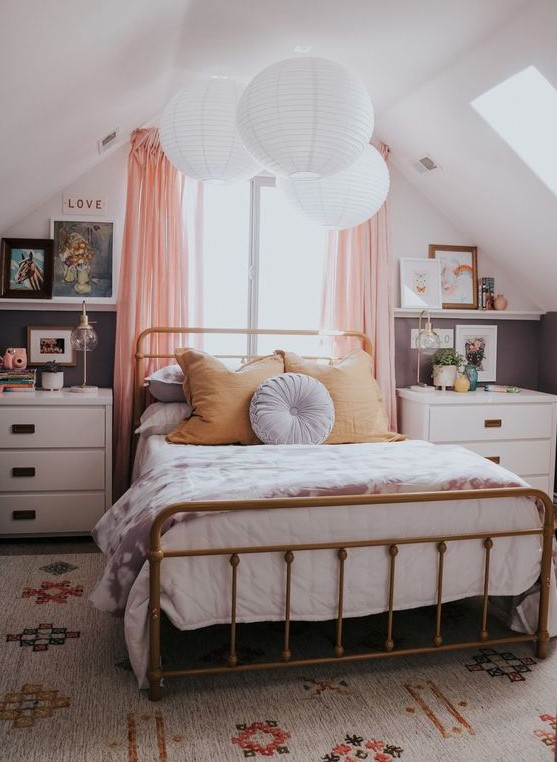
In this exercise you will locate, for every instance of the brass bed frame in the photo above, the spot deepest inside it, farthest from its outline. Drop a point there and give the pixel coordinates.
(156, 554)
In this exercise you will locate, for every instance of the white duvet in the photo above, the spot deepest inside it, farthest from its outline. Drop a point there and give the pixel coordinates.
(195, 592)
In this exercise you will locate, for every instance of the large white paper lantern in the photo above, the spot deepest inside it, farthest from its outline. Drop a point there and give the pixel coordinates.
(305, 117)
(345, 199)
(198, 132)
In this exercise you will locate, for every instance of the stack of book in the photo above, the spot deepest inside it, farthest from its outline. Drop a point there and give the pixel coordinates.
(17, 380)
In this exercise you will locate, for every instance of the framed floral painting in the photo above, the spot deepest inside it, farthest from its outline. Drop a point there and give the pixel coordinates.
(478, 345)
(83, 260)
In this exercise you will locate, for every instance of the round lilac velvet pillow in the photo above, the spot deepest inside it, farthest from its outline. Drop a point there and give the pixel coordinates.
(292, 409)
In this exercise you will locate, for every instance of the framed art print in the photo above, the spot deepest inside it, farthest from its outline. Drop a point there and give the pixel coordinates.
(50, 344)
(420, 283)
(83, 260)
(459, 275)
(478, 345)
(26, 268)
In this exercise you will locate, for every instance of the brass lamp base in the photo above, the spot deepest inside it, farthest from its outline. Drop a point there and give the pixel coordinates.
(84, 389)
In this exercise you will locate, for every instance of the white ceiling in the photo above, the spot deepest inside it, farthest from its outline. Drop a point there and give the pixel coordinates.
(74, 71)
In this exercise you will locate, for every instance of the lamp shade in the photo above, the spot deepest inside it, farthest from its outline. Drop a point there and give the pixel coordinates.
(198, 132)
(305, 117)
(345, 199)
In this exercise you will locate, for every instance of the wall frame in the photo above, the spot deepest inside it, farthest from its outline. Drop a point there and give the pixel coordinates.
(478, 345)
(26, 268)
(83, 260)
(50, 344)
(420, 283)
(459, 275)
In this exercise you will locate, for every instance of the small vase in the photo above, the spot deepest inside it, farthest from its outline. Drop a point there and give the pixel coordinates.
(500, 302)
(52, 381)
(472, 373)
(462, 383)
(444, 376)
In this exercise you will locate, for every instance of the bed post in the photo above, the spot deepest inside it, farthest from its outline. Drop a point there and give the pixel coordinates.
(155, 674)
(545, 576)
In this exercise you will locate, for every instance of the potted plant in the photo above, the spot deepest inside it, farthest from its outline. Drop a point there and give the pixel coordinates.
(446, 363)
(52, 376)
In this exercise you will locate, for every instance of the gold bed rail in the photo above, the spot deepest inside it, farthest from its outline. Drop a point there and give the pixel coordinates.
(156, 554)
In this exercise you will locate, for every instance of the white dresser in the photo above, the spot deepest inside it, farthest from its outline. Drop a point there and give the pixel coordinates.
(55, 461)
(515, 430)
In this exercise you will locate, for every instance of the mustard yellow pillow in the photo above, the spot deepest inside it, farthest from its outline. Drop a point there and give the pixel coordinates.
(220, 398)
(359, 412)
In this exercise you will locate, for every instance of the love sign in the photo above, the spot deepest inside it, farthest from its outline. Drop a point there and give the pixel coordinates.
(83, 204)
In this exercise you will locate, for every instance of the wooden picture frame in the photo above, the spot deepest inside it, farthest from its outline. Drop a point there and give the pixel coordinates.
(50, 344)
(420, 283)
(26, 266)
(459, 275)
(478, 345)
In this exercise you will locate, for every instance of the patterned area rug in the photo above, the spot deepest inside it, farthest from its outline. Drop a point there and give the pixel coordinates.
(67, 694)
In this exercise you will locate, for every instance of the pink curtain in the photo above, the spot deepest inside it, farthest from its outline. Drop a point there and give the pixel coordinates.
(357, 292)
(154, 288)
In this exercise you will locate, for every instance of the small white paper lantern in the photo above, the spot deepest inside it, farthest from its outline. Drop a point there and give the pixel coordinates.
(305, 117)
(343, 200)
(198, 132)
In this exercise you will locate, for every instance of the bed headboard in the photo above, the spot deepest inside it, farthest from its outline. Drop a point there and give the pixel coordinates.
(159, 343)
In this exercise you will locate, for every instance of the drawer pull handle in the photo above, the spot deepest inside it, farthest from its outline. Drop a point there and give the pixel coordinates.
(492, 423)
(23, 471)
(23, 428)
(24, 515)
(493, 458)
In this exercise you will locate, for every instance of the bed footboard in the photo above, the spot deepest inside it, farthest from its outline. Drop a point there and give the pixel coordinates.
(156, 554)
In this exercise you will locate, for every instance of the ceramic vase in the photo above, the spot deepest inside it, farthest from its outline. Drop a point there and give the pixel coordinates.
(472, 373)
(500, 302)
(462, 383)
(52, 382)
(444, 376)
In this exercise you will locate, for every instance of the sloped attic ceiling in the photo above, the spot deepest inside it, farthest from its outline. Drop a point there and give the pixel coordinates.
(73, 72)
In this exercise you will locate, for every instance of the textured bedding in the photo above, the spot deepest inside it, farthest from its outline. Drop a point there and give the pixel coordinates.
(195, 592)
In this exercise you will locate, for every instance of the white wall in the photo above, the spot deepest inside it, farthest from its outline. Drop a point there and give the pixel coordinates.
(415, 221)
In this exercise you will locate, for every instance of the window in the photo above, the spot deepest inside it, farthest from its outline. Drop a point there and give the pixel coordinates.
(523, 111)
(262, 264)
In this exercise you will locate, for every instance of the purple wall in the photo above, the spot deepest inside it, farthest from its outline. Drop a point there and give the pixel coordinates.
(100, 362)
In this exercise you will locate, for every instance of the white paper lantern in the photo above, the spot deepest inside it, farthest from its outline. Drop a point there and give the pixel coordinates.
(343, 200)
(198, 132)
(305, 117)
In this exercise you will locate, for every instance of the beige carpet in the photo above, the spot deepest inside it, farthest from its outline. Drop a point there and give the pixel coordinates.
(66, 693)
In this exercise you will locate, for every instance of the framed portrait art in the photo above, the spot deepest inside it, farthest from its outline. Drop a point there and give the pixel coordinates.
(83, 260)
(478, 345)
(459, 275)
(420, 283)
(26, 268)
(50, 344)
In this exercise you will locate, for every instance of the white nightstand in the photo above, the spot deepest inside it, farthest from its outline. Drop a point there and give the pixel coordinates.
(55, 461)
(515, 430)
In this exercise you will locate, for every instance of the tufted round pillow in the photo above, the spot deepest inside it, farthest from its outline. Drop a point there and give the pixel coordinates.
(292, 409)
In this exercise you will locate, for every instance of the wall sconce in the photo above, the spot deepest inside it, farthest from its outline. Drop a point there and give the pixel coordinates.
(427, 340)
(84, 339)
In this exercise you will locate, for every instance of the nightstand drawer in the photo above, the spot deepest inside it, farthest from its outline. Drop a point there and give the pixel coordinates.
(533, 457)
(488, 422)
(58, 513)
(45, 470)
(26, 427)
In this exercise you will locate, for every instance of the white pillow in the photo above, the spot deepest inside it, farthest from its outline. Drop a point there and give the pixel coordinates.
(162, 417)
(165, 384)
(292, 408)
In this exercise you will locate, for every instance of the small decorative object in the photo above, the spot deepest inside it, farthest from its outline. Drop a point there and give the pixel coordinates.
(426, 340)
(472, 373)
(446, 363)
(500, 302)
(462, 383)
(52, 376)
(15, 358)
(84, 339)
